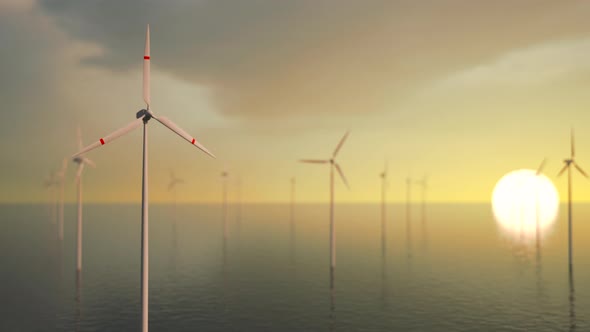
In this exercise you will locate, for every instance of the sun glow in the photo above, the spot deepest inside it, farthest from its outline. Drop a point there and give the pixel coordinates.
(523, 201)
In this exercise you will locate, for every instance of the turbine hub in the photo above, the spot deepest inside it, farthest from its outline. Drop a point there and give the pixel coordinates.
(145, 114)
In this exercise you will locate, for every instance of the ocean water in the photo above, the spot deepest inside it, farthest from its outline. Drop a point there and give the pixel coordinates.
(449, 269)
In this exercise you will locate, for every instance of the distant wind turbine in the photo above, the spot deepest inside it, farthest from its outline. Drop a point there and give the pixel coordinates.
(408, 217)
(224, 177)
(239, 202)
(142, 117)
(61, 178)
(384, 186)
(537, 229)
(50, 184)
(333, 165)
(568, 163)
(81, 161)
(423, 183)
(292, 218)
(174, 181)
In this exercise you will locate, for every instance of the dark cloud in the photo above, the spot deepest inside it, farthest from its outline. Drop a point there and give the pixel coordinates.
(268, 57)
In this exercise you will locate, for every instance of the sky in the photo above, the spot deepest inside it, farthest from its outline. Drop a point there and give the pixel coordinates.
(462, 91)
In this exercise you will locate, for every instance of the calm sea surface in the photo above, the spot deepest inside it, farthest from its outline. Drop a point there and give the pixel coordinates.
(452, 269)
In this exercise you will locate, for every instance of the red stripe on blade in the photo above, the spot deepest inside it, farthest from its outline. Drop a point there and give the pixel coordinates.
(146, 57)
(193, 141)
(102, 141)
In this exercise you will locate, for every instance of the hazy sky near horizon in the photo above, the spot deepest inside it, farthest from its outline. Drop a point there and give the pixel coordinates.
(464, 91)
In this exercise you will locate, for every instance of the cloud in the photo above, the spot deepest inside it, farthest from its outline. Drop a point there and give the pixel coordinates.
(275, 58)
(531, 67)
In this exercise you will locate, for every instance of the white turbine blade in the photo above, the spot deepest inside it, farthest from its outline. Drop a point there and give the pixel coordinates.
(79, 172)
(340, 144)
(88, 162)
(79, 134)
(541, 167)
(314, 161)
(172, 126)
(386, 168)
(107, 139)
(580, 170)
(342, 175)
(146, 69)
(562, 170)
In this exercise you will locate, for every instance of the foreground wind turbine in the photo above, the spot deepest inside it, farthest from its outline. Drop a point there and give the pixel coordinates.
(384, 185)
(61, 176)
(568, 163)
(81, 161)
(333, 165)
(143, 117)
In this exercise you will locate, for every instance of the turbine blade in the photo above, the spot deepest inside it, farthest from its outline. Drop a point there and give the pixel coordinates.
(386, 168)
(313, 161)
(580, 170)
(541, 167)
(340, 144)
(89, 162)
(573, 145)
(79, 172)
(562, 170)
(146, 69)
(111, 137)
(341, 175)
(175, 128)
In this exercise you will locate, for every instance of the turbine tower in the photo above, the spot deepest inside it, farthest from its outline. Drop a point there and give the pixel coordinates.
(50, 183)
(143, 117)
(224, 177)
(423, 183)
(81, 161)
(384, 186)
(568, 163)
(61, 178)
(333, 165)
(537, 228)
(174, 181)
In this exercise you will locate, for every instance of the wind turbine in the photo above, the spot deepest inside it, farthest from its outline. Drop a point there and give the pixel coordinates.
(384, 185)
(50, 183)
(333, 165)
(172, 187)
(568, 163)
(172, 184)
(537, 228)
(143, 117)
(81, 161)
(408, 210)
(61, 178)
(423, 183)
(239, 203)
(292, 218)
(224, 176)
